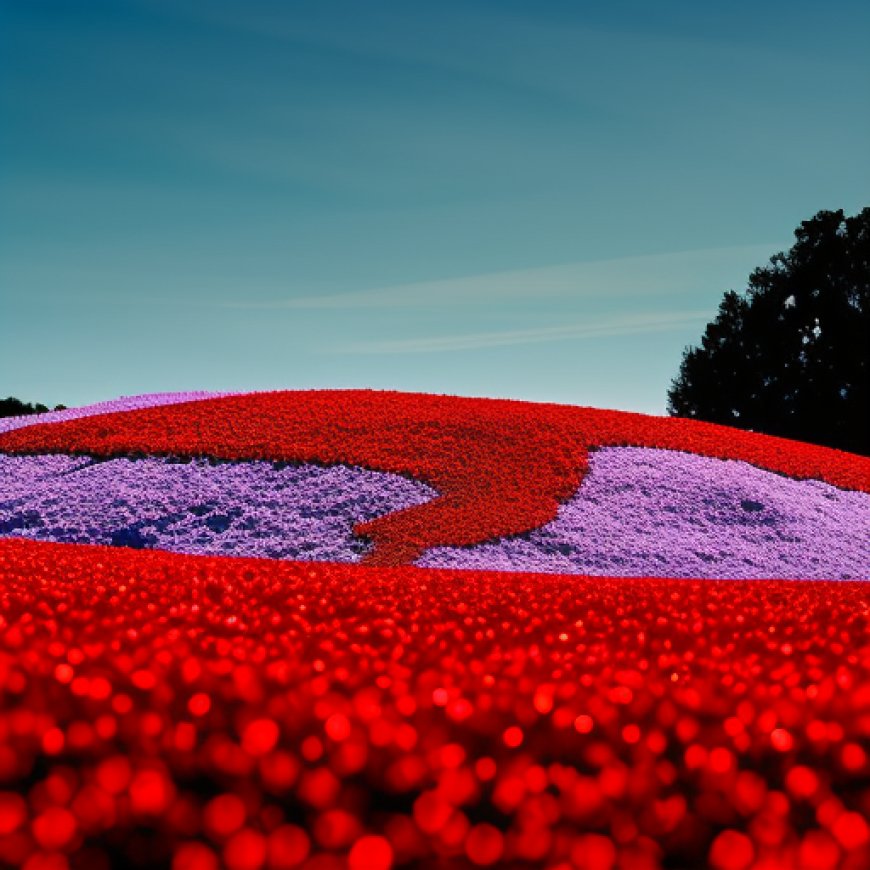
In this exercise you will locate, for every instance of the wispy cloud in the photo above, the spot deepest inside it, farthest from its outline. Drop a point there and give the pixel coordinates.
(592, 328)
(670, 273)
(483, 46)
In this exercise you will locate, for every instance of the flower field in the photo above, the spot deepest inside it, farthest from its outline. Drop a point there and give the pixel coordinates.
(353, 629)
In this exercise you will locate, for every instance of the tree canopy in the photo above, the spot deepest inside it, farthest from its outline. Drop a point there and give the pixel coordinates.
(791, 355)
(12, 407)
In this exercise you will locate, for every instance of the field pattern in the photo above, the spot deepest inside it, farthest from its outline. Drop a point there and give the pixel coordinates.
(168, 709)
(639, 512)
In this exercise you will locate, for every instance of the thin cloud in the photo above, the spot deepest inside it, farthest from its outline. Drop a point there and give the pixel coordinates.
(483, 47)
(626, 325)
(655, 274)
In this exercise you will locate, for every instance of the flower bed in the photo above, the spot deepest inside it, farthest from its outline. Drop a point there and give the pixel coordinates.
(500, 467)
(638, 512)
(267, 714)
(198, 506)
(664, 513)
(159, 709)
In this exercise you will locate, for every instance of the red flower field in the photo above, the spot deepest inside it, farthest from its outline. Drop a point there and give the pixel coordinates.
(170, 710)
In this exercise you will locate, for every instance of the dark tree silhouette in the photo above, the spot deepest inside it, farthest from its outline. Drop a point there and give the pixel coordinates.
(791, 356)
(12, 407)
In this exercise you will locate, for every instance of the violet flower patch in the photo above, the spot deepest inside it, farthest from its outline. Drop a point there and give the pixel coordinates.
(125, 403)
(661, 513)
(304, 512)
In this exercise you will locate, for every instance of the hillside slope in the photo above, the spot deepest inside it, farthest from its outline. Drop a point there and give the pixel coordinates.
(204, 663)
(512, 485)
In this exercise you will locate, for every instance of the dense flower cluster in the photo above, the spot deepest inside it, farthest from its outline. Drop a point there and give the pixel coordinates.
(190, 712)
(198, 506)
(195, 712)
(639, 512)
(651, 513)
(500, 467)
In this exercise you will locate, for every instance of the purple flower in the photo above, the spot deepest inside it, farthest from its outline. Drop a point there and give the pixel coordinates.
(639, 512)
(125, 403)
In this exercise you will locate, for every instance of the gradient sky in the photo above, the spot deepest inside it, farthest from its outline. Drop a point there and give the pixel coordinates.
(542, 200)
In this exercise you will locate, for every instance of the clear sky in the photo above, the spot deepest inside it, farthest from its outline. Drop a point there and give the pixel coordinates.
(542, 200)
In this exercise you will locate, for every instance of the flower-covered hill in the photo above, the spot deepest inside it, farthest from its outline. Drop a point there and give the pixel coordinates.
(205, 662)
(484, 483)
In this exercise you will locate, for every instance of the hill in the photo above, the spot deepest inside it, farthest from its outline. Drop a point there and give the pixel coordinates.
(239, 679)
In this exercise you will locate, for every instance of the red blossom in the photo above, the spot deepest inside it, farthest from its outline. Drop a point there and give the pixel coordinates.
(604, 722)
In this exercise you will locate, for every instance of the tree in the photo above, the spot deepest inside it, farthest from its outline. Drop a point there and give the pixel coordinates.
(12, 407)
(791, 355)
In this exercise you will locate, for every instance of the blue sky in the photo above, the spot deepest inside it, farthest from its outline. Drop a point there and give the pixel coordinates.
(543, 200)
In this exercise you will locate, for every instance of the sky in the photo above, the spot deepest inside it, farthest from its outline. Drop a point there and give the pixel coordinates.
(538, 200)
